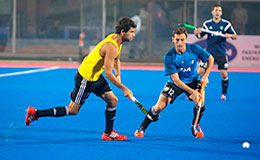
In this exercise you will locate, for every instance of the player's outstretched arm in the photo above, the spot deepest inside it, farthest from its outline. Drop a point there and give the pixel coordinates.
(109, 52)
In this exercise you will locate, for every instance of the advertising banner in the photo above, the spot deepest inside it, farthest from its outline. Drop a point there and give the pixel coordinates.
(242, 52)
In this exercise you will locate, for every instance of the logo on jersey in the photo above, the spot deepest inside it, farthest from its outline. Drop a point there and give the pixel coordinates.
(221, 27)
(210, 27)
(185, 69)
(216, 32)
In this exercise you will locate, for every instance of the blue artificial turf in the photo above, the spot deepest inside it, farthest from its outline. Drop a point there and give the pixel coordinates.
(226, 124)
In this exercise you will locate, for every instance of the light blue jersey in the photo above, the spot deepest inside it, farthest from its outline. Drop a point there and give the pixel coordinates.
(185, 64)
(216, 44)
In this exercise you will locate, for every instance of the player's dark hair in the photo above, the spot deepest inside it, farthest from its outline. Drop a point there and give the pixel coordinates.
(216, 5)
(180, 30)
(124, 23)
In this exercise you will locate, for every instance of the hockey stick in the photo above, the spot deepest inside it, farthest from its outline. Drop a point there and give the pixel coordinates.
(200, 103)
(203, 30)
(198, 112)
(139, 105)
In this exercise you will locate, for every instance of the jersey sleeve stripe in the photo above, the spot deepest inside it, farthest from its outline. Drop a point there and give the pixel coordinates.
(233, 30)
(205, 24)
(226, 28)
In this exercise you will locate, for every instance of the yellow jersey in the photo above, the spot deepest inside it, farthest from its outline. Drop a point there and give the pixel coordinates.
(93, 65)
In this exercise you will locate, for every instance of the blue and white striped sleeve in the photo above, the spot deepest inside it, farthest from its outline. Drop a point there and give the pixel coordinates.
(229, 28)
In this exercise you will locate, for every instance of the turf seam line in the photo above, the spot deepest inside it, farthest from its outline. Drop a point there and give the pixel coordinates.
(29, 71)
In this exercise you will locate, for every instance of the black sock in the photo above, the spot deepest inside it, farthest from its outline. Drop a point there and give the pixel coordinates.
(110, 114)
(195, 109)
(147, 121)
(52, 112)
(224, 85)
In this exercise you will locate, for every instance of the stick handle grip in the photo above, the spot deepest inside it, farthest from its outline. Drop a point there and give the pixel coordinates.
(202, 93)
(139, 105)
(203, 85)
(212, 32)
(189, 26)
(133, 99)
(199, 105)
(204, 30)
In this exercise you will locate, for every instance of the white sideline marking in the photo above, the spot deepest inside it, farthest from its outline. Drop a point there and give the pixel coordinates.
(29, 71)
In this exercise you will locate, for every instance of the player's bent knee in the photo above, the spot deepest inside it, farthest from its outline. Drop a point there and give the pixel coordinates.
(113, 102)
(159, 107)
(73, 109)
(224, 74)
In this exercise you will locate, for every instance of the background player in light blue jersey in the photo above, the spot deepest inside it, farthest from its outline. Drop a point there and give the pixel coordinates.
(216, 44)
(180, 64)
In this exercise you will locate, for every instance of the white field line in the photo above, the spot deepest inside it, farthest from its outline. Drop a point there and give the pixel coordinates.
(29, 71)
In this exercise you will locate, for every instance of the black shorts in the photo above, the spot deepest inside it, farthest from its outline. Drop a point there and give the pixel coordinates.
(83, 88)
(173, 91)
(222, 62)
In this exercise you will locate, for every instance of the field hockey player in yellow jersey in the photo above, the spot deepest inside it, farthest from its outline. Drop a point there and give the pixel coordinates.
(103, 58)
